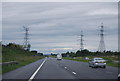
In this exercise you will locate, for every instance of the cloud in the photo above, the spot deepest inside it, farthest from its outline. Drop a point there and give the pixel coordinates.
(54, 27)
(103, 12)
(60, 1)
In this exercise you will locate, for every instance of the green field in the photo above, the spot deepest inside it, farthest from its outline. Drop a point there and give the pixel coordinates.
(21, 56)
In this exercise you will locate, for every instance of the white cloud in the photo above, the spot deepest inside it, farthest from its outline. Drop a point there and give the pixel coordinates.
(55, 26)
(103, 12)
(60, 0)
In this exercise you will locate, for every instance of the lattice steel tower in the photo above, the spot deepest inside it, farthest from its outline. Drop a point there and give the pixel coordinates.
(81, 41)
(101, 47)
(26, 38)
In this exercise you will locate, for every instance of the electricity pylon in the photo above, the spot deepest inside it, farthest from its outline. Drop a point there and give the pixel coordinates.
(81, 41)
(26, 38)
(101, 47)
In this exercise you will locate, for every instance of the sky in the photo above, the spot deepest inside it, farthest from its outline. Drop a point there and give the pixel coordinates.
(55, 26)
(59, 0)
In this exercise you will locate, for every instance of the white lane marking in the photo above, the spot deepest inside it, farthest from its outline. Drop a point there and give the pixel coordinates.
(37, 70)
(74, 73)
(65, 67)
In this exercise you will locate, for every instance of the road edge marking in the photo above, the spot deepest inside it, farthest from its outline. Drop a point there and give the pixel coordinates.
(33, 75)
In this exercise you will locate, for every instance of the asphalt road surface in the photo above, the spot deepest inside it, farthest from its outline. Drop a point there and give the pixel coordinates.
(61, 69)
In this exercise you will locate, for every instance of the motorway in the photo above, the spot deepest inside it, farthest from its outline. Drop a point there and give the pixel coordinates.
(61, 69)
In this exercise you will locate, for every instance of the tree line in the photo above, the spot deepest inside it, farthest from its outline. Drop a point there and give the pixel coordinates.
(86, 52)
(20, 47)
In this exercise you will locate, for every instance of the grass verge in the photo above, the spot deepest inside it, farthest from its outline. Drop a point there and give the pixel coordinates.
(11, 67)
(21, 56)
(109, 59)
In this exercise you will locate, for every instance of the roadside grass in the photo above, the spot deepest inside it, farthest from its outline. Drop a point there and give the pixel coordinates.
(109, 59)
(21, 63)
(0, 59)
(52, 56)
(0, 54)
(22, 57)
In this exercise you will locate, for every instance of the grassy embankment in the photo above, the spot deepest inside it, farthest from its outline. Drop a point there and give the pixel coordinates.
(0, 59)
(109, 59)
(22, 57)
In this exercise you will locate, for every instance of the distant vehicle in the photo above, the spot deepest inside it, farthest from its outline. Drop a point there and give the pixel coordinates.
(86, 58)
(59, 57)
(118, 77)
(97, 62)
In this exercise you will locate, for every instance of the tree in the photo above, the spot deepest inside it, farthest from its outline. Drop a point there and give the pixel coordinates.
(41, 54)
(34, 51)
(15, 46)
(29, 47)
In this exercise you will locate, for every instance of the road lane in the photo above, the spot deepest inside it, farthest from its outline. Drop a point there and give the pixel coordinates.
(51, 70)
(64, 69)
(24, 72)
(83, 71)
(34, 74)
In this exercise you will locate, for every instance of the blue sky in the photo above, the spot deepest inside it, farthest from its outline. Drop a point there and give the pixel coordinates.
(55, 26)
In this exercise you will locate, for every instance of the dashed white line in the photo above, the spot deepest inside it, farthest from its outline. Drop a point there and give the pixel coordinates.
(31, 78)
(74, 73)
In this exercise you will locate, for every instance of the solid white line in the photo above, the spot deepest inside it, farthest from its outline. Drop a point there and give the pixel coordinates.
(37, 70)
(74, 73)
